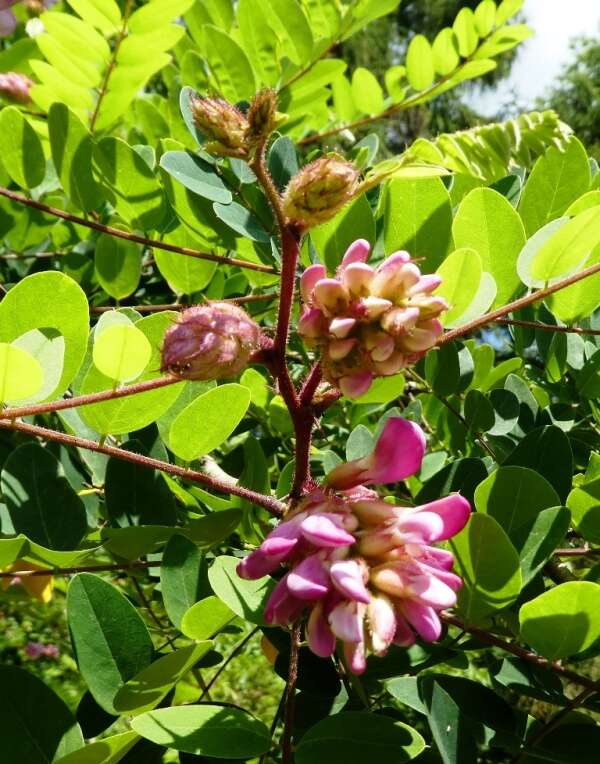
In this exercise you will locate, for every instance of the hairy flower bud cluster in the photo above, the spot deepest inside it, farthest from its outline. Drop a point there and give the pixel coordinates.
(319, 191)
(15, 87)
(369, 322)
(210, 342)
(364, 571)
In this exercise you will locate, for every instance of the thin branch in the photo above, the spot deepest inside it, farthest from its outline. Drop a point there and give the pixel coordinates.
(576, 702)
(520, 652)
(273, 505)
(97, 310)
(576, 552)
(155, 243)
(290, 696)
(305, 70)
(111, 65)
(547, 327)
(124, 566)
(236, 650)
(85, 400)
(522, 302)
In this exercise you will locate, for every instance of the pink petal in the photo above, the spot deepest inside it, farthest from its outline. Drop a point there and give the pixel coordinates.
(423, 619)
(339, 349)
(432, 591)
(423, 336)
(346, 621)
(319, 636)
(322, 531)
(404, 636)
(355, 657)
(357, 252)
(437, 558)
(427, 283)
(397, 455)
(330, 295)
(341, 327)
(383, 348)
(373, 307)
(357, 278)
(450, 579)
(311, 323)
(282, 608)
(263, 561)
(422, 526)
(453, 510)
(347, 577)
(400, 320)
(309, 580)
(373, 511)
(309, 279)
(382, 622)
(356, 385)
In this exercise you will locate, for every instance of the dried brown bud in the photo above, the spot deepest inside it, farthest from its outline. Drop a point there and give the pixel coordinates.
(210, 342)
(223, 124)
(262, 115)
(319, 191)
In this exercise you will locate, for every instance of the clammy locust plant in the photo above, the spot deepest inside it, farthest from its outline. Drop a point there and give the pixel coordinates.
(248, 408)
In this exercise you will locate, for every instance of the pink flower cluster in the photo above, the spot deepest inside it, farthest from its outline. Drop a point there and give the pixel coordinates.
(369, 322)
(35, 650)
(365, 570)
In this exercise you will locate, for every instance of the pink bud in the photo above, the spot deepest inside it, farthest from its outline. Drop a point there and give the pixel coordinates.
(210, 342)
(357, 278)
(346, 621)
(348, 578)
(423, 619)
(312, 323)
(309, 580)
(354, 653)
(320, 638)
(341, 327)
(331, 296)
(382, 623)
(355, 385)
(325, 531)
(339, 349)
(357, 252)
(309, 279)
(14, 86)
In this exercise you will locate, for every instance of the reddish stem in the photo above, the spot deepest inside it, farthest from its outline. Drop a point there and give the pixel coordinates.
(273, 505)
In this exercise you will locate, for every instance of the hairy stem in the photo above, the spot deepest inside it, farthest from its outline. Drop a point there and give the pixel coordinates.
(290, 696)
(97, 310)
(274, 506)
(155, 243)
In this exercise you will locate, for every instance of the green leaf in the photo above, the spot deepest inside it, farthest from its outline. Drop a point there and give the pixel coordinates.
(584, 503)
(488, 223)
(22, 153)
(563, 621)
(258, 40)
(547, 451)
(445, 52)
(118, 266)
(41, 503)
(196, 174)
(136, 495)
(72, 145)
(231, 70)
(578, 301)
(184, 275)
(419, 63)
(507, 9)
(442, 370)
(258, 386)
(182, 577)
(461, 276)
(548, 530)
(568, 248)
(242, 221)
(35, 724)
(290, 23)
(208, 421)
(156, 14)
(246, 598)
(556, 181)
(111, 641)
(489, 565)
(366, 91)
(353, 737)
(485, 17)
(102, 14)
(479, 412)
(418, 217)
(383, 390)
(21, 375)
(109, 750)
(332, 239)
(49, 300)
(138, 197)
(514, 496)
(145, 690)
(206, 618)
(215, 527)
(466, 32)
(121, 352)
(206, 730)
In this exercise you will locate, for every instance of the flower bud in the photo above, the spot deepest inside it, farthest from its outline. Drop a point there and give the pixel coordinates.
(210, 342)
(223, 124)
(262, 116)
(15, 87)
(319, 191)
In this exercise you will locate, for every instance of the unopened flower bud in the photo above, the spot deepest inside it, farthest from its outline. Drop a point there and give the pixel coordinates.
(210, 342)
(223, 124)
(15, 87)
(262, 116)
(319, 191)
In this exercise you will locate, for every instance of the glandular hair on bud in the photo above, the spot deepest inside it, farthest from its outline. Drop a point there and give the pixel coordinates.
(223, 124)
(319, 191)
(210, 342)
(262, 116)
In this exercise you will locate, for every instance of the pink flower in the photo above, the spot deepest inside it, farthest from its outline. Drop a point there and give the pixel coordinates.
(210, 342)
(364, 570)
(369, 322)
(36, 650)
(15, 86)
